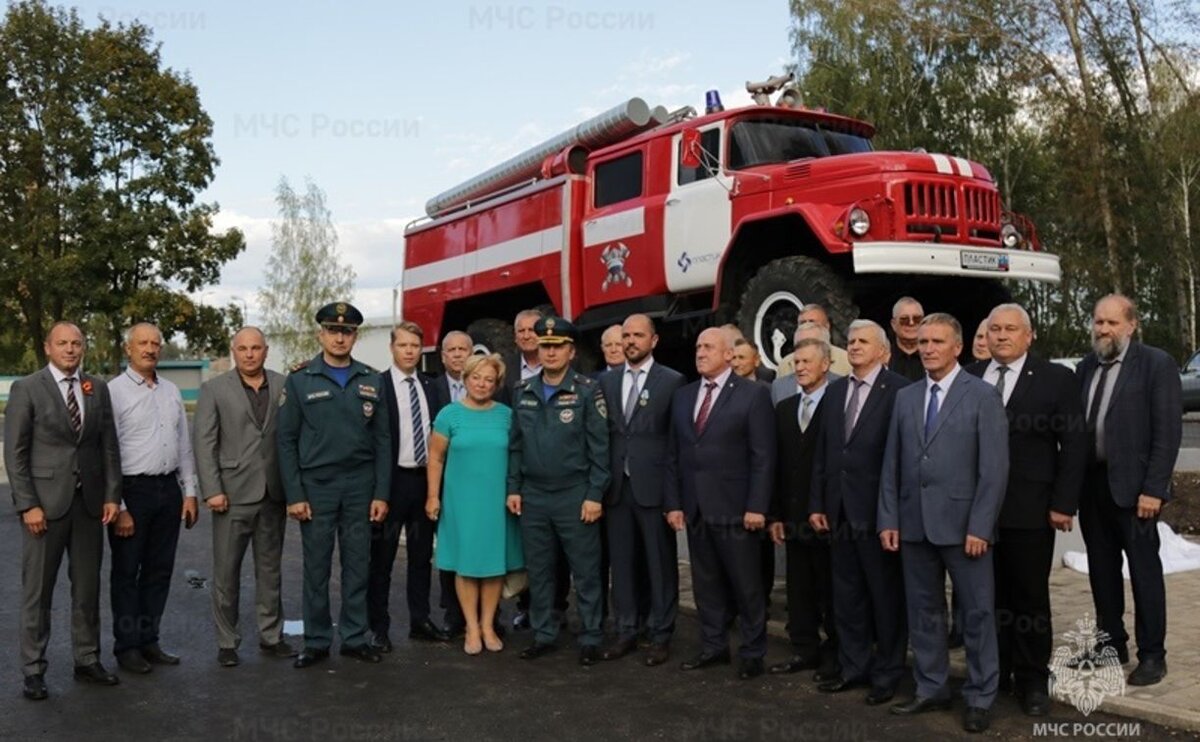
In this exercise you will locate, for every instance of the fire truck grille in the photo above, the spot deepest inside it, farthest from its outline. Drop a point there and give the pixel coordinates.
(944, 209)
(797, 171)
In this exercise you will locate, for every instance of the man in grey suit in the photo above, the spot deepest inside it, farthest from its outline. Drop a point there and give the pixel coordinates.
(238, 469)
(64, 467)
(945, 470)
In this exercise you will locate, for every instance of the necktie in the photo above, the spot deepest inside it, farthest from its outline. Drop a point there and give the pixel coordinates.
(1098, 396)
(705, 406)
(931, 412)
(457, 391)
(414, 404)
(631, 400)
(1001, 370)
(73, 406)
(806, 405)
(852, 407)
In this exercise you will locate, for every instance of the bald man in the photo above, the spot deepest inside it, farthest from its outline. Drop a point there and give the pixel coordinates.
(236, 463)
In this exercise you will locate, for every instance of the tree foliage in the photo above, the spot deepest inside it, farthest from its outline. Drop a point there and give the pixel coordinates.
(104, 153)
(304, 272)
(1083, 110)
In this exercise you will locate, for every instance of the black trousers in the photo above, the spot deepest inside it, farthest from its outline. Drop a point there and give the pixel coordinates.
(727, 577)
(810, 596)
(869, 608)
(1109, 530)
(562, 585)
(142, 563)
(1021, 560)
(645, 568)
(406, 512)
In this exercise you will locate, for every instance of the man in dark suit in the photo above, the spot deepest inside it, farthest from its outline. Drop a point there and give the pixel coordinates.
(237, 465)
(450, 388)
(906, 357)
(809, 580)
(945, 469)
(412, 403)
(640, 544)
(720, 471)
(61, 453)
(1047, 448)
(1132, 395)
(868, 585)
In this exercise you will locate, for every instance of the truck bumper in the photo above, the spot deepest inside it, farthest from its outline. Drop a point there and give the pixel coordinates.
(928, 258)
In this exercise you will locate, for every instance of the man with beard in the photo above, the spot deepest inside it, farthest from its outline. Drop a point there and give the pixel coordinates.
(641, 545)
(1131, 393)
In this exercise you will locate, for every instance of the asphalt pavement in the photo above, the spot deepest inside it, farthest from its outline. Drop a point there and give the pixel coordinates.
(436, 692)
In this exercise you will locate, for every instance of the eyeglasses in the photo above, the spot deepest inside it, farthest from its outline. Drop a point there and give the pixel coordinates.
(911, 320)
(339, 329)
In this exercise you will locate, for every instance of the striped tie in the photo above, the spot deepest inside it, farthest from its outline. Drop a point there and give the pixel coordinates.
(414, 403)
(73, 406)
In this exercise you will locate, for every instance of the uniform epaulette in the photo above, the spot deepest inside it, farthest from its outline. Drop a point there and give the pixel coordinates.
(585, 380)
(299, 366)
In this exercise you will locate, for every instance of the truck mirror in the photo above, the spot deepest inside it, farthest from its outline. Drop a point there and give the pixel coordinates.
(690, 156)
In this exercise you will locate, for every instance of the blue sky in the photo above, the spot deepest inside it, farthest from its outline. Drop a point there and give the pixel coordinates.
(386, 104)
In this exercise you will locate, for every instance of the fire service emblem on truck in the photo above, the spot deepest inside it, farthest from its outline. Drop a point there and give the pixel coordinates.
(614, 257)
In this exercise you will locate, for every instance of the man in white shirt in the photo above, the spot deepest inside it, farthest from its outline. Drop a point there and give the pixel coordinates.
(158, 492)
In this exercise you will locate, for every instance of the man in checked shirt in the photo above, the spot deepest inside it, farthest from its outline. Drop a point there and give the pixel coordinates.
(158, 491)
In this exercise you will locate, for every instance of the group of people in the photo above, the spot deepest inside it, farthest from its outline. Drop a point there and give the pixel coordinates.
(878, 479)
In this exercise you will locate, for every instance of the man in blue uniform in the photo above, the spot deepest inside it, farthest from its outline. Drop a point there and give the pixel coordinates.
(335, 460)
(557, 476)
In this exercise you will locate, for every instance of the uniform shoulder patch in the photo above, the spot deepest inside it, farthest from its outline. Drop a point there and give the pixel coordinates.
(299, 366)
(601, 405)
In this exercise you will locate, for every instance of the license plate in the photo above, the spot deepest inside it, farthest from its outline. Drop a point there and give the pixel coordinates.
(984, 261)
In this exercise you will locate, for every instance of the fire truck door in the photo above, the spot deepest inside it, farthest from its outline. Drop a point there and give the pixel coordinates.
(698, 215)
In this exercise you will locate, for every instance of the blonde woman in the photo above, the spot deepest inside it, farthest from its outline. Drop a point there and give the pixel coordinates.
(478, 539)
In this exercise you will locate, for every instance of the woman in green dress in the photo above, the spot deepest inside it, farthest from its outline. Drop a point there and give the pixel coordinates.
(477, 539)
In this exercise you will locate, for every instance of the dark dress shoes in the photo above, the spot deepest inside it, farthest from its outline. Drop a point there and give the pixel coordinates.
(840, 685)
(1035, 703)
(877, 696)
(281, 649)
(1149, 672)
(309, 657)
(95, 673)
(156, 655)
(795, 663)
(750, 667)
(227, 658)
(521, 620)
(589, 655)
(920, 705)
(35, 688)
(705, 660)
(656, 655)
(535, 650)
(362, 653)
(619, 649)
(976, 720)
(827, 675)
(382, 643)
(131, 660)
(428, 631)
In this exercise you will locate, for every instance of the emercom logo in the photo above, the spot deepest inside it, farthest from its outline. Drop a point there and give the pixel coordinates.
(1087, 670)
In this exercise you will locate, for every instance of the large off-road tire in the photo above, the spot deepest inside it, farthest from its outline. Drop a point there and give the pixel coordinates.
(772, 299)
(492, 336)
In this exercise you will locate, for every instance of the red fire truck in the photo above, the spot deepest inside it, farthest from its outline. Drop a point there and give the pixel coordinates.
(738, 215)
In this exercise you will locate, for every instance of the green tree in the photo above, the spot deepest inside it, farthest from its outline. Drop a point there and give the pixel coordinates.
(105, 151)
(304, 272)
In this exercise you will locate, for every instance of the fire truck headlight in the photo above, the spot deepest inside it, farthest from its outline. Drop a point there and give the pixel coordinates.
(1010, 236)
(859, 222)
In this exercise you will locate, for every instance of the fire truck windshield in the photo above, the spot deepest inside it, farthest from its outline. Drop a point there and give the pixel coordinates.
(763, 141)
